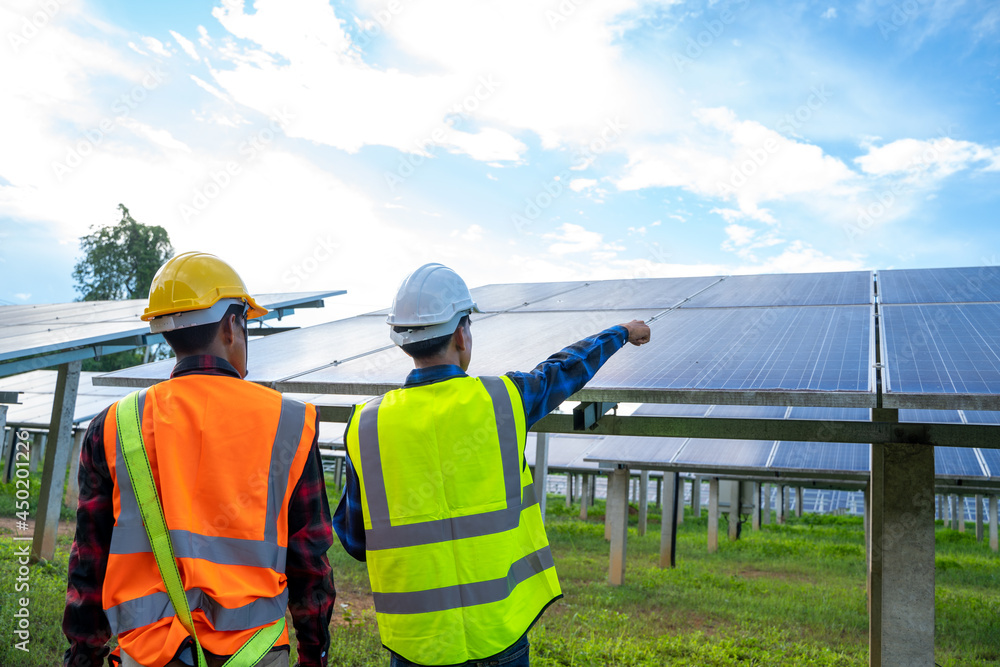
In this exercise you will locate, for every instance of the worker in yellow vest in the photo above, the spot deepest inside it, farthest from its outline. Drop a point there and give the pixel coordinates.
(235, 471)
(439, 501)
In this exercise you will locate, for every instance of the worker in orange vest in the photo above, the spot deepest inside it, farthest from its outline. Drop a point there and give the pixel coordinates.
(238, 476)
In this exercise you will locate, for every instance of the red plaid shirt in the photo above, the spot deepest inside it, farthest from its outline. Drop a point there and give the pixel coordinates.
(311, 591)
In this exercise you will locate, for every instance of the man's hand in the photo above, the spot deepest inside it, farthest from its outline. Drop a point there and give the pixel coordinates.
(638, 332)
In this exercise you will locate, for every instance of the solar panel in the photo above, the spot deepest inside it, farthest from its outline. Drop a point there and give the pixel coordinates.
(956, 462)
(942, 349)
(960, 285)
(790, 289)
(511, 341)
(638, 450)
(725, 453)
(831, 414)
(826, 456)
(991, 457)
(565, 451)
(632, 294)
(672, 410)
(822, 349)
(982, 417)
(280, 355)
(748, 411)
(497, 298)
(930, 416)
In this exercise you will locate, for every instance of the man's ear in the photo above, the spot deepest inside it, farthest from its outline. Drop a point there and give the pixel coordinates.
(461, 338)
(227, 330)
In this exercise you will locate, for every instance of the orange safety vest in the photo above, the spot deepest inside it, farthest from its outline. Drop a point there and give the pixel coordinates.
(226, 455)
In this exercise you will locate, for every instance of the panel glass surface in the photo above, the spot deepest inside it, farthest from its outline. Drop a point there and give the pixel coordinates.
(815, 348)
(280, 355)
(956, 462)
(789, 289)
(657, 293)
(496, 298)
(831, 414)
(992, 459)
(982, 416)
(726, 453)
(507, 342)
(930, 416)
(972, 284)
(671, 410)
(748, 411)
(942, 349)
(827, 456)
(634, 449)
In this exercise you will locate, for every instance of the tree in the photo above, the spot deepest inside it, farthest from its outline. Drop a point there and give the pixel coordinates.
(120, 260)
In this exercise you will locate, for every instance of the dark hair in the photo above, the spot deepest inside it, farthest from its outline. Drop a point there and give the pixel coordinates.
(432, 347)
(192, 340)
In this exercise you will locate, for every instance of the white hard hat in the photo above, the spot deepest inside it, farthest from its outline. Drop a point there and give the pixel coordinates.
(433, 298)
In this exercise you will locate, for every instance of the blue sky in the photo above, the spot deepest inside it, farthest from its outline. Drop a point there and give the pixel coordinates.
(322, 145)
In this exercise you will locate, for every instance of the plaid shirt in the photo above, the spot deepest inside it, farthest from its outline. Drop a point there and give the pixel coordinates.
(542, 391)
(311, 592)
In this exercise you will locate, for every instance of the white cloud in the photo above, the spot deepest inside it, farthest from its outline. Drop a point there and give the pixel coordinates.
(830, 13)
(209, 88)
(571, 239)
(580, 184)
(185, 44)
(472, 234)
(23, 296)
(737, 160)
(159, 137)
(934, 159)
(739, 235)
(156, 46)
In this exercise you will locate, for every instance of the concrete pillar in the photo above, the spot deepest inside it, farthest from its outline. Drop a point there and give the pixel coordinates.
(979, 518)
(73, 483)
(680, 501)
(659, 491)
(585, 484)
(734, 511)
(953, 503)
(755, 524)
(696, 497)
(766, 509)
(668, 520)
(782, 504)
(643, 501)
(569, 490)
(993, 524)
(38, 442)
(960, 517)
(798, 500)
(617, 522)
(541, 470)
(901, 571)
(868, 529)
(8, 451)
(940, 506)
(338, 472)
(50, 496)
(713, 515)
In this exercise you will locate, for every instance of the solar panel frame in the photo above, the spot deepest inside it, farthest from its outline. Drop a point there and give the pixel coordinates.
(949, 285)
(630, 294)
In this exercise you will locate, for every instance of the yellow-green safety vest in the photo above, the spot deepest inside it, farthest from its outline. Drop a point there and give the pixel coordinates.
(459, 563)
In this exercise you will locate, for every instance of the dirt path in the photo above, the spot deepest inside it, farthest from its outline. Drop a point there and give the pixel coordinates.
(8, 526)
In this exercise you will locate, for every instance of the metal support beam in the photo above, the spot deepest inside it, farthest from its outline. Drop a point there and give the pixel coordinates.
(798, 501)
(8, 455)
(961, 513)
(680, 501)
(586, 415)
(585, 484)
(43, 547)
(696, 497)
(617, 522)
(901, 570)
(643, 501)
(953, 503)
(668, 520)
(713, 515)
(542, 470)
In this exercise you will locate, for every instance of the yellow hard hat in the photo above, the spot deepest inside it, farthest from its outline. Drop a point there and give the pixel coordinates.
(195, 288)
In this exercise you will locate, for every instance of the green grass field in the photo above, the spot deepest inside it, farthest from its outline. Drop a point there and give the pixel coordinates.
(785, 595)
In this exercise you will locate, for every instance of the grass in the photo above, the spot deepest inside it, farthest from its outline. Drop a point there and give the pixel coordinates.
(792, 594)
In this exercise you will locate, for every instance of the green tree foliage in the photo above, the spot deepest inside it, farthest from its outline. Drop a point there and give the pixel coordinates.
(120, 260)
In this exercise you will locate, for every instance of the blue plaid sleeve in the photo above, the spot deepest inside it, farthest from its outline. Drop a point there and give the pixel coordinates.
(565, 372)
(348, 520)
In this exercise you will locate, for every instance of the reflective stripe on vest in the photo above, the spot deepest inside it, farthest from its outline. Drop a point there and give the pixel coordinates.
(155, 606)
(129, 537)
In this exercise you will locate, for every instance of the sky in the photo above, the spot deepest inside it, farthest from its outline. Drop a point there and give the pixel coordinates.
(339, 145)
